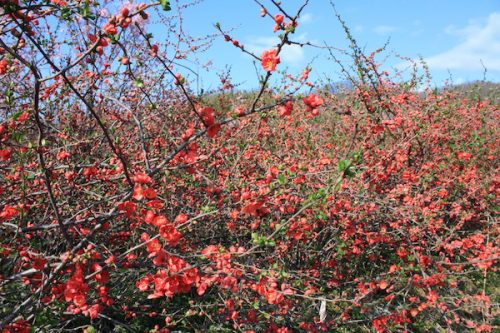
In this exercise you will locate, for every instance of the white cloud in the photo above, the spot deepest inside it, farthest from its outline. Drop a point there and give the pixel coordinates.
(291, 55)
(480, 42)
(359, 28)
(306, 18)
(383, 30)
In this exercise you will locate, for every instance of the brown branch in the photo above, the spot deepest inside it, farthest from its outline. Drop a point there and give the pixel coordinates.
(41, 160)
(200, 133)
(140, 128)
(89, 108)
(73, 64)
(55, 273)
(180, 84)
(280, 47)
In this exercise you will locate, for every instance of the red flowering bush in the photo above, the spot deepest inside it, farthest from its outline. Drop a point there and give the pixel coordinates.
(130, 203)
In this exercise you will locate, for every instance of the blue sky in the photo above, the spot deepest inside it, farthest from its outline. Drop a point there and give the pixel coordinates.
(452, 36)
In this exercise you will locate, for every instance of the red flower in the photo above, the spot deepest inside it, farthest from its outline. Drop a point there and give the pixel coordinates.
(62, 155)
(170, 234)
(8, 212)
(125, 12)
(141, 193)
(208, 116)
(23, 117)
(149, 193)
(432, 296)
(240, 110)
(270, 59)
(110, 29)
(278, 18)
(191, 276)
(213, 130)
(3, 66)
(61, 3)
(160, 220)
(100, 276)
(313, 102)
(128, 207)
(138, 193)
(286, 109)
(229, 282)
(252, 207)
(463, 156)
(143, 284)
(93, 311)
(89, 172)
(142, 178)
(19, 326)
(76, 288)
(209, 250)
(154, 51)
(179, 79)
(39, 263)
(383, 284)
(5, 154)
(200, 290)
(181, 218)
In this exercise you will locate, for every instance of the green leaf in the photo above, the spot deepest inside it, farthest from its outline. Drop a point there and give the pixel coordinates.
(357, 156)
(165, 5)
(114, 38)
(256, 239)
(17, 136)
(91, 329)
(16, 115)
(321, 193)
(270, 243)
(344, 165)
(138, 83)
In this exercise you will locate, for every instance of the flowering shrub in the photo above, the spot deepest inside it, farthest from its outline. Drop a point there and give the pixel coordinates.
(129, 206)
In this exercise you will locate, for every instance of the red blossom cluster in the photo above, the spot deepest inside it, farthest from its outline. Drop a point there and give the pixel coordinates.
(117, 212)
(312, 103)
(270, 60)
(208, 116)
(176, 278)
